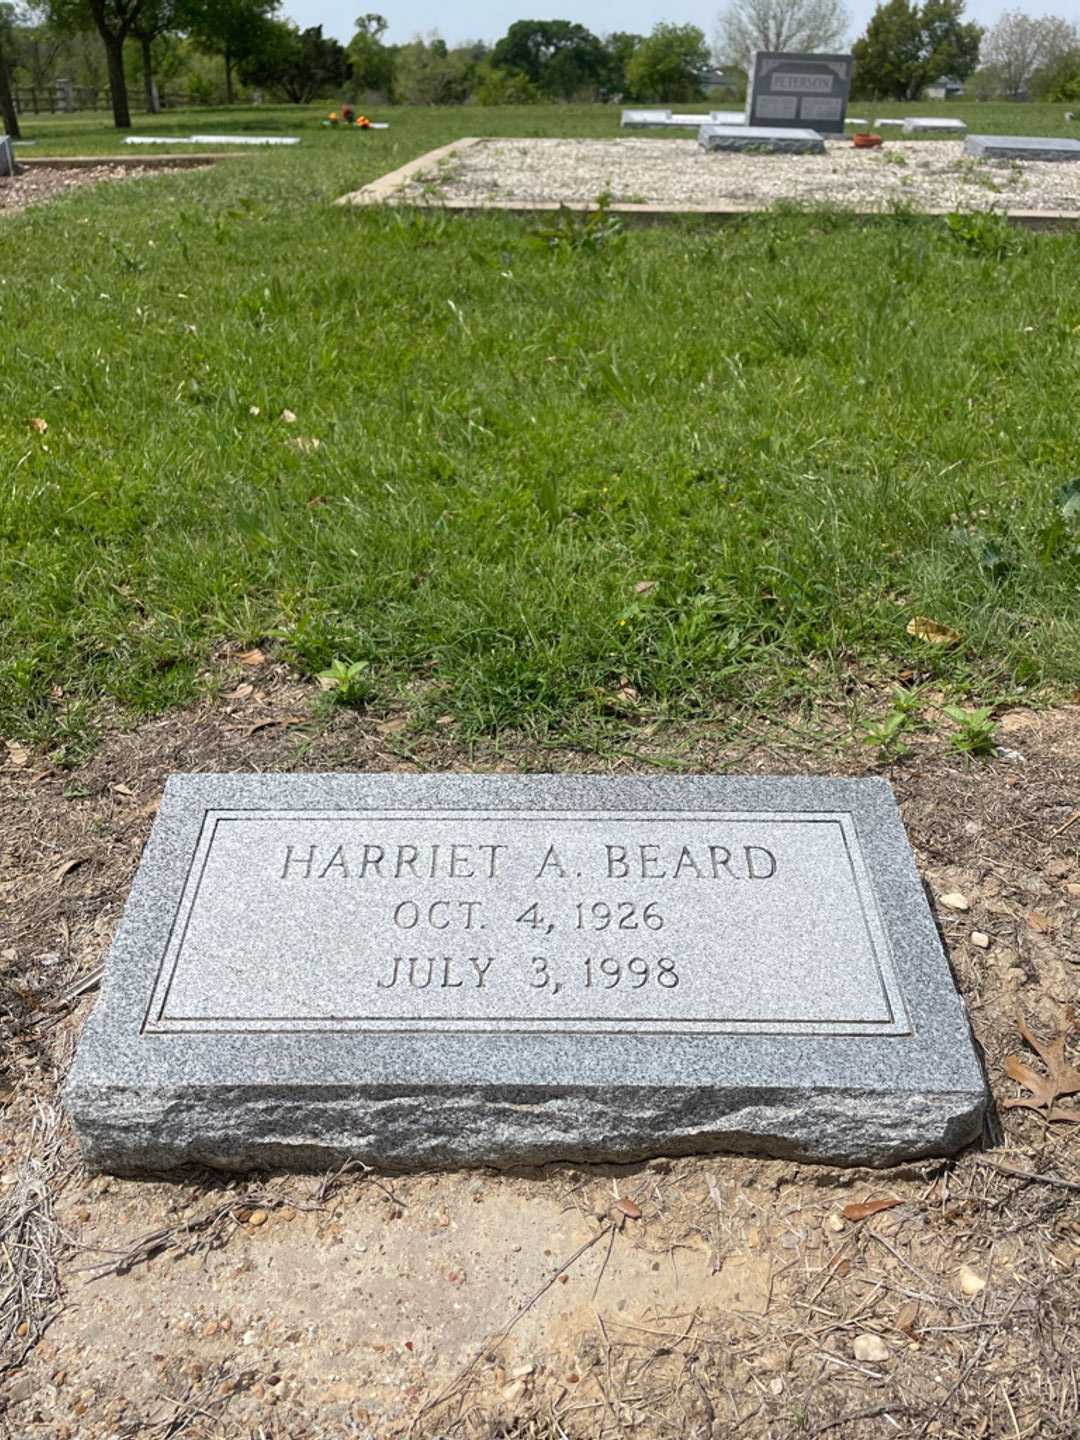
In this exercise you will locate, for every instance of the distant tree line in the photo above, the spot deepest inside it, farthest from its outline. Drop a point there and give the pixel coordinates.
(204, 48)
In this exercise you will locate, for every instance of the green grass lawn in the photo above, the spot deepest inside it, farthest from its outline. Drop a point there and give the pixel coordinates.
(804, 429)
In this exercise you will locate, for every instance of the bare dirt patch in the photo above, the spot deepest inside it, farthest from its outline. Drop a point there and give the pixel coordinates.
(748, 1297)
(677, 174)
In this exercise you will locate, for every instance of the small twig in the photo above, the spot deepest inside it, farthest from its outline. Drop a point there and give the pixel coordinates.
(1018, 1174)
(455, 1385)
(861, 1415)
(1061, 831)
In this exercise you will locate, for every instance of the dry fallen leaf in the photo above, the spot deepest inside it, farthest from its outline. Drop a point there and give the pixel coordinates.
(906, 1318)
(241, 692)
(288, 417)
(1061, 1077)
(305, 443)
(628, 1208)
(38, 424)
(863, 1211)
(17, 754)
(68, 866)
(644, 586)
(251, 657)
(1037, 920)
(932, 631)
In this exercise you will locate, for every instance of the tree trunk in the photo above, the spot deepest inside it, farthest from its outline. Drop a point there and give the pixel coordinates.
(152, 106)
(228, 77)
(114, 55)
(7, 102)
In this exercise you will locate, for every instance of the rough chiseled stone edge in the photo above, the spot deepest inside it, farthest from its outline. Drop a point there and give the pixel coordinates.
(797, 143)
(237, 1129)
(141, 1104)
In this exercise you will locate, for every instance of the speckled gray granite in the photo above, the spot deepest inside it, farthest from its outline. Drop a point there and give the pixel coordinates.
(7, 156)
(1022, 147)
(455, 970)
(761, 139)
(798, 89)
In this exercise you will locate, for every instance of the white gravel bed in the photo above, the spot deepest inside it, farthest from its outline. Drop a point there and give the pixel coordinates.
(923, 174)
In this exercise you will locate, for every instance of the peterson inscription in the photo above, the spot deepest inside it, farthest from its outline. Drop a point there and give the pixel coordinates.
(691, 923)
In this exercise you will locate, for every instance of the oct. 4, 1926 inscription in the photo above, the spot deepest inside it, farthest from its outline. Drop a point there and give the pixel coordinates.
(527, 921)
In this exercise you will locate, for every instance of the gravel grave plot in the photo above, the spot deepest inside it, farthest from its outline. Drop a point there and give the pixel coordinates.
(924, 174)
(33, 187)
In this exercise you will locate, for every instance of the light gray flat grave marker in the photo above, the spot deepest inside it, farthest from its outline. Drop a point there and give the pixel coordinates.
(726, 117)
(767, 138)
(447, 970)
(884, 122)
(1021, 147)
(7, 156)
(632, 119)
(215, 139)
(930, 125)
(857, 120)
(787, 88)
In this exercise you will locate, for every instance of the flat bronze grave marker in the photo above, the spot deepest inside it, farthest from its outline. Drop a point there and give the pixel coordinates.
(421, 970)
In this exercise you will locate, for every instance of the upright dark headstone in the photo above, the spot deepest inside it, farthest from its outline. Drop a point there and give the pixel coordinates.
(7, 156)
(804, 91)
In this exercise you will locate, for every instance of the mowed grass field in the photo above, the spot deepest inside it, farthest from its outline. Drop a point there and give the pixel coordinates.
(688, 469)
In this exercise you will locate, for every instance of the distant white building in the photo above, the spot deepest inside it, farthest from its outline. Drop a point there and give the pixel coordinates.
(945, 88)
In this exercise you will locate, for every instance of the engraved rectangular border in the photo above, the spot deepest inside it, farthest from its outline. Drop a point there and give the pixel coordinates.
(157, 1022)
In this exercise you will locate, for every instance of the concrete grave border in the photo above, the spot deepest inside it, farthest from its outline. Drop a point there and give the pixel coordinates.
(385, 192)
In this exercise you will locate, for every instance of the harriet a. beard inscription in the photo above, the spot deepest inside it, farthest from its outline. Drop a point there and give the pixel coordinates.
(527, 920)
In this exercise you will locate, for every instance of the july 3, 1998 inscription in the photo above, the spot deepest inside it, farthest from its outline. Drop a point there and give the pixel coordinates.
(538, 921)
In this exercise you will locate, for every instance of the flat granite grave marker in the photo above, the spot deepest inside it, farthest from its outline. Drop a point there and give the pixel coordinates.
(799, 90)
(447, 970)
(932, 125)
(767, 139)
(1021, 147)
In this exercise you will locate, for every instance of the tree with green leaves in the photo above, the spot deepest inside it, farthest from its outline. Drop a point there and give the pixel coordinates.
(155, 19)
(562, 59)
(7, 100)
(906, 46)
(620, 46)
(229, 28)
(300, 63)
(114, 20)
(372, 62)
(669, 64)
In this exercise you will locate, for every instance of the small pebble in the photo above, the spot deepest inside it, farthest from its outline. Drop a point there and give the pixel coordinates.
(981, 939)
(955, 901)
(971, 1282)
(870, 1347)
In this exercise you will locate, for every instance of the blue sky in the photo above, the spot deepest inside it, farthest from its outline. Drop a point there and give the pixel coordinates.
(488, 19)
